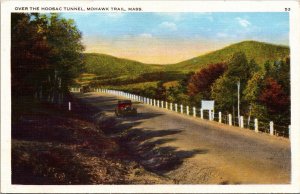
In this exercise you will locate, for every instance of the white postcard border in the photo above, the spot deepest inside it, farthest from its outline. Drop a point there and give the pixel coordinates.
(154, 6)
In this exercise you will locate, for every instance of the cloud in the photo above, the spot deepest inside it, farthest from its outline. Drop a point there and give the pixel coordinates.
(169, 25)
(243, 22)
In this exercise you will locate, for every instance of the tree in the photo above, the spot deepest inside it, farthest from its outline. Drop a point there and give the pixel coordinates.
(276, 91)
(202, 80)
(183, 99)
(183, 83)
(66, 57)
(267, 67)
(173, 93)
(224, 90)
(268, 93)
(149, 92)
(281, 72)
(161, 92)
(254, 86)
(239, 69)
(251, 95)
(29, 55)
(46, 52)
(274, 97)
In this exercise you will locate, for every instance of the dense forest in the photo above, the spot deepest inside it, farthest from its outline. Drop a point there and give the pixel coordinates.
(46, 55)
(264, 91)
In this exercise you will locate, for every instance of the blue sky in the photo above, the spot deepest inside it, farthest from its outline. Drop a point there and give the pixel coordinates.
(172, 37)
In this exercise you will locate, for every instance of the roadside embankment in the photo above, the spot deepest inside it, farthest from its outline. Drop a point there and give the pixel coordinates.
(51, 145)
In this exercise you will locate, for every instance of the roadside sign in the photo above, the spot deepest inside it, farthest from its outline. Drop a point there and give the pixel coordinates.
(207, 104)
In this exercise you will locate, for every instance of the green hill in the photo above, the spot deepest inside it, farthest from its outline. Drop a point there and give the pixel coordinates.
(107, 66)
(117, 72)
(259, 51)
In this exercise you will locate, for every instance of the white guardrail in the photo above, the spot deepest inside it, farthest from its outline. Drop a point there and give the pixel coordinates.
(252, 124)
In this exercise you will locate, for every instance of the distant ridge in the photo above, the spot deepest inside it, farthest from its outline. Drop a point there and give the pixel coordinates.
(109, 66)
(259, 51)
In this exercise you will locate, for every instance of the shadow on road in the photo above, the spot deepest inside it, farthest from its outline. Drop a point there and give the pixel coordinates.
(149, 150)
(147, 146)
(99, 103)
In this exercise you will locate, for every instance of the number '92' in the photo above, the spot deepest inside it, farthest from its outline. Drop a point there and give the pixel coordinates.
(287, 9)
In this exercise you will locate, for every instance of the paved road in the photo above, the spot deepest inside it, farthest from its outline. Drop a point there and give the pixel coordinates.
(194, 151)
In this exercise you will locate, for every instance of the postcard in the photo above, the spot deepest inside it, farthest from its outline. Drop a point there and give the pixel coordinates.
(150, 96)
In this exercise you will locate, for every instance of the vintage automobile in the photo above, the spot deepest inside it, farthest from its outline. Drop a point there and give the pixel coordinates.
(85, 89)
(125, 108)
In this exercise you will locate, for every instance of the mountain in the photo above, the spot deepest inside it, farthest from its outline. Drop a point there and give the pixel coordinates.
(113, 71)
(259, 51)
(107, 66)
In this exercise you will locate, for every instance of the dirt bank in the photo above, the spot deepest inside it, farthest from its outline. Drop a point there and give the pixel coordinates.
(51, 145)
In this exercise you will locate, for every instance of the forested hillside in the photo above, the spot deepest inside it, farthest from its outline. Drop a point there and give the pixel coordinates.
(259, 51)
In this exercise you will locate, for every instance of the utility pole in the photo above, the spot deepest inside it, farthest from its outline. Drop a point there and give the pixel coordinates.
(238, 87)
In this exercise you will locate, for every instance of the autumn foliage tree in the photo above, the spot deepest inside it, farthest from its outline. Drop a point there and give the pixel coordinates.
(45, 55)
(202, 80)
(268, 92)
(274, 97)
(29, 55)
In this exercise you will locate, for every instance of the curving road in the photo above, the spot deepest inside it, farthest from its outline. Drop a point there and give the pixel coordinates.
(193, 151)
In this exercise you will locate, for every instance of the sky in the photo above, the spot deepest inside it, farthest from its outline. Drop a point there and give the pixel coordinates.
(164, 38)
